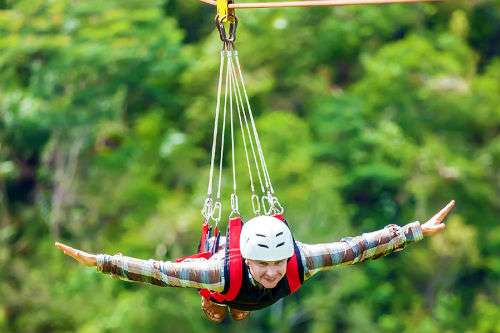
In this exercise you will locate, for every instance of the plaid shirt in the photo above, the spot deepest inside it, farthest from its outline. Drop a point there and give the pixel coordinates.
(209, 274)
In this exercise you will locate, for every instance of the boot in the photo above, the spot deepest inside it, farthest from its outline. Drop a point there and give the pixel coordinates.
(238, 314)
(213, 311)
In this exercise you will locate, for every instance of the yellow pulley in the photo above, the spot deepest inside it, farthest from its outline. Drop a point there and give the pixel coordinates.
(226, 22)
(224, 13)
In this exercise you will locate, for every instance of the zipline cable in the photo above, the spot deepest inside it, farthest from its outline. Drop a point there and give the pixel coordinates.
(312, 3)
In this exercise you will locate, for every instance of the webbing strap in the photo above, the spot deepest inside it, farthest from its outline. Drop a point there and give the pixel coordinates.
(203, 239)
(235, 259)
(235, 263)
(292, 267)
(292, 274)
(205, 255)
(203, 250)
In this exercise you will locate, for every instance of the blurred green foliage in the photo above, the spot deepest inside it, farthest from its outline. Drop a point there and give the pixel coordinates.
(368, 115)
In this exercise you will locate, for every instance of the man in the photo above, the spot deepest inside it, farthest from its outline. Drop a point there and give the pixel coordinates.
(266, 247)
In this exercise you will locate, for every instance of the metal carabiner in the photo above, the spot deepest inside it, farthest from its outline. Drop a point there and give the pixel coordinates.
(265, 210)
(207, 209)
(216, 212)
(230, 37)
(235, 210)
(255, 204)
(277, 207)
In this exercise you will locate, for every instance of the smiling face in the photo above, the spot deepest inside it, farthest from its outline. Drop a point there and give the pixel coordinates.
(267, 273)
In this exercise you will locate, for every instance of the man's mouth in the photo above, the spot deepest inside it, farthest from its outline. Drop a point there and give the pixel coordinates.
(270, 280)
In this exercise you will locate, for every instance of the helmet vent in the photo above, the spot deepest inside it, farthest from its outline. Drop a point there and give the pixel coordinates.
(279, 234)
(280, 244)
(260, 235)
(262, 245)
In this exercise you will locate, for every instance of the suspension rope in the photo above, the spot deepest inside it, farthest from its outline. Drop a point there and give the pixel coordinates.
(267, 178)
(247, 128)
(223, 132)
(241, 111)
(226, 23)
(234, 90)
(216, 125)
(239, 106)
(218, 205)
(207, 210)
(234, 197)
(229, 69)
(268, 199)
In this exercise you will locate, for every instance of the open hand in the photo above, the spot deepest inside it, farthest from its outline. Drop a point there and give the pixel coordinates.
(82, 257)
(434, 225)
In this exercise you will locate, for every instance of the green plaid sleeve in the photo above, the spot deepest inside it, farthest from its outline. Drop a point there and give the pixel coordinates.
(351, 250)
(192, 273)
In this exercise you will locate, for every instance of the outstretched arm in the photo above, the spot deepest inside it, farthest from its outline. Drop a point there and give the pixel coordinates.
(197, 273)
(373, 245)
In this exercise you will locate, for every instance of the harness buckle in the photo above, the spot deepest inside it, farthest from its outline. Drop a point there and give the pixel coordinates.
(234, 205)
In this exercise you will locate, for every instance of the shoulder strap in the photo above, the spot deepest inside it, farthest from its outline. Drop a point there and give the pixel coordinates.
(292, 268)
(234, 260)
(203, 250)
(233, 264)
(292, 272)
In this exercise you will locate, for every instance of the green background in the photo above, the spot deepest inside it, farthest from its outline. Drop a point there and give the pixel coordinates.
(368, 115)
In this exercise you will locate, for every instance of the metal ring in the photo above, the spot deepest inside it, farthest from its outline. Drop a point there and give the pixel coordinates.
(277, 207)
(255, 204)
(216, 212)
(234, 204)
(207, 209)
(264, 210)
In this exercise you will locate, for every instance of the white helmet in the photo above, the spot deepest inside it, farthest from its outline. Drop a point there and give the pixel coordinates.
(266, 238)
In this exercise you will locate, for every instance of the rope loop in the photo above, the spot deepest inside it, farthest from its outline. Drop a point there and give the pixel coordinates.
(207, 209)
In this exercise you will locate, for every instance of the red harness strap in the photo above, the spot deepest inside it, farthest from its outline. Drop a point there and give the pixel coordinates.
(201, 247)
(235, 262)
(292, 267)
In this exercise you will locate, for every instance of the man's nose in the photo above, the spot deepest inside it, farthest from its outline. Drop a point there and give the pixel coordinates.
(273, 271)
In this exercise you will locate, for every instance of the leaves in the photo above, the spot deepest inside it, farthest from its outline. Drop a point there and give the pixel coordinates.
(368, 115)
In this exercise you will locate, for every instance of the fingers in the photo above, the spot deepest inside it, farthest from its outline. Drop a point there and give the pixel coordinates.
(430, 229)
(437, 229)
(434, 225)
(441, 215)
(65, 248)
(68, 250)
